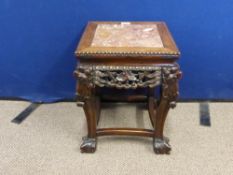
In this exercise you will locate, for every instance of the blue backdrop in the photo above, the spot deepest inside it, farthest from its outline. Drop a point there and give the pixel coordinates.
(38, 39)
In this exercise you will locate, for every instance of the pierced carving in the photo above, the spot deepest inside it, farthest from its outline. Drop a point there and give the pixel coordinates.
(131, 77)
(121, 77)
(127, 79)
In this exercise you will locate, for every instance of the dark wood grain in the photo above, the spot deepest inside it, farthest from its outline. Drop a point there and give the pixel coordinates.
(125, 131)
(92, 75)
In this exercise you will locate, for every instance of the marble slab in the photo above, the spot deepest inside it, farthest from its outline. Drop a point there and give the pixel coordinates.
(126, 34)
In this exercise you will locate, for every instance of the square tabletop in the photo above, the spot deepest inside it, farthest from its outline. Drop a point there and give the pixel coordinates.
(132, 39)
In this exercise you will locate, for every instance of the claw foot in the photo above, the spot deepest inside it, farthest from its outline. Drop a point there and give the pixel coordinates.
(88, 145)
(161, 146)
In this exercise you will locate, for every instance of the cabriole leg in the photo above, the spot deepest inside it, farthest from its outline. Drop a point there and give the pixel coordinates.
(87, 99)
(168, 100)
(89, 143)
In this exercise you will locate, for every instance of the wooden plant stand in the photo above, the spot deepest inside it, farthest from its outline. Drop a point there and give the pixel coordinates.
(127, 55)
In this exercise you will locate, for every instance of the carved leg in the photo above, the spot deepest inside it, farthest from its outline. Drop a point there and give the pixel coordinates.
(89, 143)
(160, 144)
(168, 99)
(152, 105)
(87, 99)
(151, 110)
(98, 109)
(97, 104)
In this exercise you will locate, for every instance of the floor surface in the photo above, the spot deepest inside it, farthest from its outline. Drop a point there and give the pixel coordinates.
(48, 141)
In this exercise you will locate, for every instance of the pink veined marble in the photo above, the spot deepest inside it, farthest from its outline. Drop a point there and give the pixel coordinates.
(127, 34)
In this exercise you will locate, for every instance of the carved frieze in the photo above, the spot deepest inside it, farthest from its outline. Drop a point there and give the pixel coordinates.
(121, 77)
(132, 77)
(127, 79)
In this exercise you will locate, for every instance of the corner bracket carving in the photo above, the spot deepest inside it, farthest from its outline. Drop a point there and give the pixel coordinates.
(171, 75)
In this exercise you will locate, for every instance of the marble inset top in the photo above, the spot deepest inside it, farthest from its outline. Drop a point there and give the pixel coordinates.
(127, 34)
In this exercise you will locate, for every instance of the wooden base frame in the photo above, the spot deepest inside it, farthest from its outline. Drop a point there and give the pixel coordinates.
(89, 98)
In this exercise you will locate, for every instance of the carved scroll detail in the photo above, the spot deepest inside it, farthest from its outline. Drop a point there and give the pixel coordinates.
(85, 75)
(127, 79)
(171, 75)
(85, 85)
(121, 77)
(132, 77)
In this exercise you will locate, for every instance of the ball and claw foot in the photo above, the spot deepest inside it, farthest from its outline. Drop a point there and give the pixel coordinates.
(161, 146)
(88, 145)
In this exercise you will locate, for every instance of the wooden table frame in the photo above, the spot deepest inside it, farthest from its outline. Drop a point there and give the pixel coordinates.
(98, 67)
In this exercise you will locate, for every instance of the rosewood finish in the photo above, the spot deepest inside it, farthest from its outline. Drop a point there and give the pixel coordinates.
(127, 55)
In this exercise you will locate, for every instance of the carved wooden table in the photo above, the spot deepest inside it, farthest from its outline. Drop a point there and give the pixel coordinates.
(127, 55)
